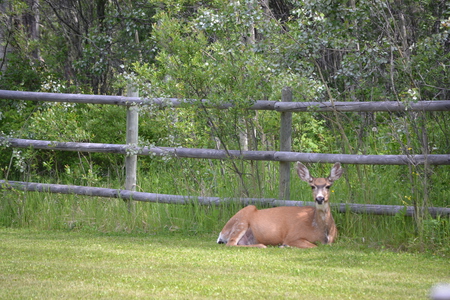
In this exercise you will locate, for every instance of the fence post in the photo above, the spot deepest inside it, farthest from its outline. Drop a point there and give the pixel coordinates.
(285, 145)
(131, 140)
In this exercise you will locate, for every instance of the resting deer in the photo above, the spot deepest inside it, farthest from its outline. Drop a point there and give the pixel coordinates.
(292, 226)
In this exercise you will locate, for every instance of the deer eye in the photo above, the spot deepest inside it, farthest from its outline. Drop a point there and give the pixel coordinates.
(328, 187)
(313, 187)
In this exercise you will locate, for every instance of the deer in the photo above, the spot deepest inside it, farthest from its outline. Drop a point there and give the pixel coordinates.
(287, 226)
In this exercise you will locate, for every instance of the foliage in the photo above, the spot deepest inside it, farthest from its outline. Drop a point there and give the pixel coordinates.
(22, 77)
(84, 43)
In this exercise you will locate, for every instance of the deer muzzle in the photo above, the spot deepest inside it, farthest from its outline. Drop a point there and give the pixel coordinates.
(320, 200)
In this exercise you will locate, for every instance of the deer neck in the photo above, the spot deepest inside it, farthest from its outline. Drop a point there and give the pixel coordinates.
(323, 219)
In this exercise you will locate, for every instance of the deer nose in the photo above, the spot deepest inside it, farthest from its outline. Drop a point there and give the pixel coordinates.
(320, 200)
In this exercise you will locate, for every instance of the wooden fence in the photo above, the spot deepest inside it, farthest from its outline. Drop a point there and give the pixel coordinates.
(281, 156)
(388, 106)
(177, 199)
(285, 156)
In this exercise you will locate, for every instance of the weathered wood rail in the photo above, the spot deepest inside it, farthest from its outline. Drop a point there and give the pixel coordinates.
(387, 106)
(177, 199)
(284, 156)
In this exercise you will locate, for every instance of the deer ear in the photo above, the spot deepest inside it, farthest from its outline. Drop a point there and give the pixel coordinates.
(303, 172)
(336, 172)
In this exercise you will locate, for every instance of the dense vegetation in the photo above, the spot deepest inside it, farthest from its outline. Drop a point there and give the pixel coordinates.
(238, 52)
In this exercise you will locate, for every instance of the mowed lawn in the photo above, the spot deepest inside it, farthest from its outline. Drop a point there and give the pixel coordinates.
(78, 265)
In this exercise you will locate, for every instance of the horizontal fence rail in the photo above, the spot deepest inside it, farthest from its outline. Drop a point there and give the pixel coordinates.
(387, 106)
(177, 199)
(432, 159)
(132, 149)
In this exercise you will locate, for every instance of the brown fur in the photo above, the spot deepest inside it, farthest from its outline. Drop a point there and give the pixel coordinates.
(294, 226)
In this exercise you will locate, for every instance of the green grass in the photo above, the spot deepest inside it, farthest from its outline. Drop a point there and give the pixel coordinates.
(80, 265)
(45, 211)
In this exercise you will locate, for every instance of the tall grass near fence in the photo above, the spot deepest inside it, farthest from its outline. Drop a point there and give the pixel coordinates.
(361, 184)
(46, 211)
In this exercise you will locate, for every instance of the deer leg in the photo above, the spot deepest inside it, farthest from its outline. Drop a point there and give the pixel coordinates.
(301, 243)
(248, 238)
(242, 236)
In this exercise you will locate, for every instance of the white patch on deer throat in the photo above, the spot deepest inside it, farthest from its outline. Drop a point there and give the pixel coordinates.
(322, 208)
